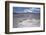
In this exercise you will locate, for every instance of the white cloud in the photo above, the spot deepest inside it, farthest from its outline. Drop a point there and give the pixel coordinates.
(27, 10)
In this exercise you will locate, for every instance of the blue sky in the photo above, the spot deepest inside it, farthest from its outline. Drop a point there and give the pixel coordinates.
(26, 9)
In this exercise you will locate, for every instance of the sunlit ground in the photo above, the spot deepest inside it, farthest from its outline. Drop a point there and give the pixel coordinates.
(26, 20)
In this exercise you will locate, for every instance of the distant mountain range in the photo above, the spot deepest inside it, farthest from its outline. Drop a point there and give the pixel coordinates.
(25, 13)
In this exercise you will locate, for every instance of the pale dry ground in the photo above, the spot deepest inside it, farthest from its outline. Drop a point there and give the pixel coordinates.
(26, 20)
(29, 23)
